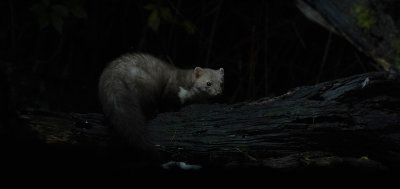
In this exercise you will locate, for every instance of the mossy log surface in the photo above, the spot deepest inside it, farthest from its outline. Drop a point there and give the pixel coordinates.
(353, 121)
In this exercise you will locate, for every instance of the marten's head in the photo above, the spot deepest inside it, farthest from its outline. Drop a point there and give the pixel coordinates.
(209, 81)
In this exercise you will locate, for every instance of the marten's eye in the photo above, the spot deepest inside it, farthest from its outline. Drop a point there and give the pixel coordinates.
(209, 83)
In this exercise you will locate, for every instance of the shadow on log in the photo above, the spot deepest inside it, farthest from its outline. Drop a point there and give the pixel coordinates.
(349, 122)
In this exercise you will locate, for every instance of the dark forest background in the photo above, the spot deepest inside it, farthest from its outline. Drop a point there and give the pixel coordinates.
(53, 51)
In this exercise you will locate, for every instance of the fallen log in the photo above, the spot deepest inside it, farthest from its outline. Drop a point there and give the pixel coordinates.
(352, 122)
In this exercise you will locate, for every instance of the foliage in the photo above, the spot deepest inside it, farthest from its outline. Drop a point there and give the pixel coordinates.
(55, 13)
(159, 12)
(365, 16)
(392, 9)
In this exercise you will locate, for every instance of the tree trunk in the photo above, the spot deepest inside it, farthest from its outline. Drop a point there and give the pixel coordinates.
(361, 22)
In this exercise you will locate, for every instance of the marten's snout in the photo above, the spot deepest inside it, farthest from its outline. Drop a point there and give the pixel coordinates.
(215, 92)
(218, 91)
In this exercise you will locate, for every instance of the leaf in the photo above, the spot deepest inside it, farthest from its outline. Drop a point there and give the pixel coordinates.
(43, 17)
(150, 7)
(46, 3)
(38, 8)
(79, 12)
(365, 17)
(166, 14)
(154, 20)
(44, 20)
(57, 22)
(60, 10)
(190, 28)
(77, 9)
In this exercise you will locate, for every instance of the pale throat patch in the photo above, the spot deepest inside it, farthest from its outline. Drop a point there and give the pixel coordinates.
(186, 94)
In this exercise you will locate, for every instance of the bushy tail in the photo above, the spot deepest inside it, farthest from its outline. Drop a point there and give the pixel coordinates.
(123, 111)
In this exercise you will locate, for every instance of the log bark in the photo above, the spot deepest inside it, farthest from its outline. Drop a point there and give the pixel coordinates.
(352, 121)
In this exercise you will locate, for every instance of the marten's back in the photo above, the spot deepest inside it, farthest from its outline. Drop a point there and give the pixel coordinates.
(138, 76)
(128, 90)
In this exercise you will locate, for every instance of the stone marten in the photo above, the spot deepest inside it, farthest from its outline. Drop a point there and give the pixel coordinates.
(135, 86)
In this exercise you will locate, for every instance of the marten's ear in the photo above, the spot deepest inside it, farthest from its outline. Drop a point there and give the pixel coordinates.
(198, 72)
(221, 70)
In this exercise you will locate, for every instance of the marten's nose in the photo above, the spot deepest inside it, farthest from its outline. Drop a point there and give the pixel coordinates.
(218, 91)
